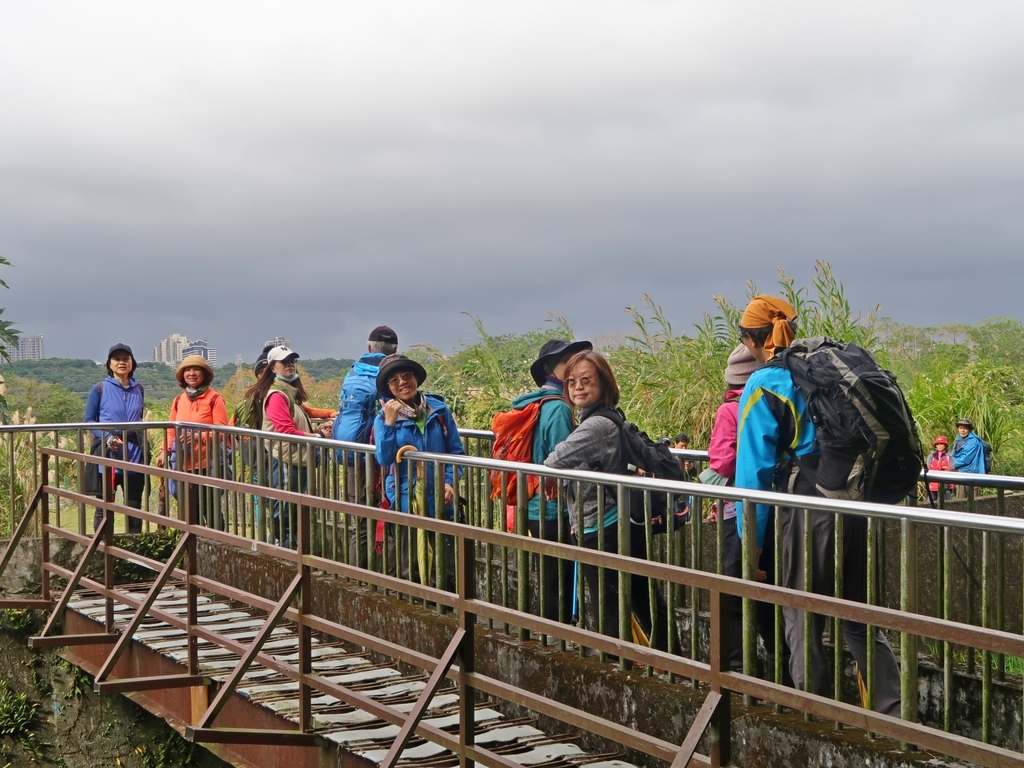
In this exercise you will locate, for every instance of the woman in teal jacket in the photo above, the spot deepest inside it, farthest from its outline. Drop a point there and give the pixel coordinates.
(409, 417)
(554, 424)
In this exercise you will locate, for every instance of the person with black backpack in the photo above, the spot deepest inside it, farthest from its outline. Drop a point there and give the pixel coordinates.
(597, 445)
(778, 450)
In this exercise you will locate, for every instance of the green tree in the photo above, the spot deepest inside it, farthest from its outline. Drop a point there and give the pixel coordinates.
(8, 336)
(482, 378)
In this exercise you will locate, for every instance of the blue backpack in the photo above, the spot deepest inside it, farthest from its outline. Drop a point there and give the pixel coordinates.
(357, 409)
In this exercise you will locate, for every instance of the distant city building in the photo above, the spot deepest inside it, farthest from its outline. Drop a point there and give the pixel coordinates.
(201, 348)
(169, 350)
(25, 348)
(278, 341)
(176, 347)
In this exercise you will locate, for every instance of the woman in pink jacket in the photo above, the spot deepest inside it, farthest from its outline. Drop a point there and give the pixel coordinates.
(722, 459)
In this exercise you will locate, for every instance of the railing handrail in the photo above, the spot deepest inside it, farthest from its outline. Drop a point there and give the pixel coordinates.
(996, 641)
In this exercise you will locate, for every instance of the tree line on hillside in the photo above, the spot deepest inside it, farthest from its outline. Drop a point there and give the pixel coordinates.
(56, 389)
(670, 381)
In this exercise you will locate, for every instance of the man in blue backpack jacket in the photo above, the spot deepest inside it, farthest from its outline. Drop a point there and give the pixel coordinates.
(776, 449)
(357, 408)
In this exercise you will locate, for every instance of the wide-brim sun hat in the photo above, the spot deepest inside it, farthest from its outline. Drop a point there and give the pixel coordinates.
(393, 364)
(194, 361)
(965, 423)
(553, 351)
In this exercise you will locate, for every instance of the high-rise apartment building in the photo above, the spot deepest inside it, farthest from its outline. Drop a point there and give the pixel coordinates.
(176, 347)
(169, 350)
(278, 341)
(201, 348)
(25, 348)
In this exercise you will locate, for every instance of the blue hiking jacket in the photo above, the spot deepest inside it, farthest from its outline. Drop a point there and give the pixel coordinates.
(553, 426)
(440, 435)
(969, 454)
(116, 404)
(772, 421)
(357, 404)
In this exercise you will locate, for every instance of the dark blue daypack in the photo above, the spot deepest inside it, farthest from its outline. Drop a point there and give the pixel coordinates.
(645, 458)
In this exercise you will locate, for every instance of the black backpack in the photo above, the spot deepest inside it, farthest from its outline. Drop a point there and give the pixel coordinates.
(986, 452)
(866, 436)
(644, 457)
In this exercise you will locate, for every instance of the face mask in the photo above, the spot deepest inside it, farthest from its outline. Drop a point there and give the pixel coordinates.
(288, 379)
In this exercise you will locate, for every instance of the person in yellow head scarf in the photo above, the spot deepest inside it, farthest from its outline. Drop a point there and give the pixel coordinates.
(775, 439)
(770, 322)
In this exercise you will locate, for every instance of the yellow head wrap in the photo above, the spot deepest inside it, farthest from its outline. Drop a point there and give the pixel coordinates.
(763, 311)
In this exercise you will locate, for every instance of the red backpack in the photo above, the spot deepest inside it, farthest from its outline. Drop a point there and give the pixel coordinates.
(513, 441)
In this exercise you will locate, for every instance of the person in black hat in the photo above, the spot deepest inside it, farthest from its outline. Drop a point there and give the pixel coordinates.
(357, 408)
(410, 417)
(118, 398)
(554, 424)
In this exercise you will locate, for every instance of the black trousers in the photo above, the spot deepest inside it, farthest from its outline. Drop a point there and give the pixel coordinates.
(639, 589)
(133, 488)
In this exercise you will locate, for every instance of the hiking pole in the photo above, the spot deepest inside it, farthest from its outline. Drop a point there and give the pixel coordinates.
(576, 593)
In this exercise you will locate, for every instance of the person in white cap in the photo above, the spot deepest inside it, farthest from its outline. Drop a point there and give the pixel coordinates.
(283, 395)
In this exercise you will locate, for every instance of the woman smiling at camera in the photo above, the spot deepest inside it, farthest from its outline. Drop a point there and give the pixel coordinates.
(596, 445)
(409, 417)
(198, 404)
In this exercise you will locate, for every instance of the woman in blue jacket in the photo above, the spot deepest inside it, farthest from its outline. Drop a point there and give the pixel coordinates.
(409, 417)
(118, 398)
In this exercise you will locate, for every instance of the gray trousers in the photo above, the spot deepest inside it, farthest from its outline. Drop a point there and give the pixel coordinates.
(355, 492)
(823, 562)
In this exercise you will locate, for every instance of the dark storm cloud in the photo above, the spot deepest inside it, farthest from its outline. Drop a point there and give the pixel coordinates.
(318, 171)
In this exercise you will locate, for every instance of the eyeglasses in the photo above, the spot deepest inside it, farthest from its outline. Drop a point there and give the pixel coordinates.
(583, 381)
(401, 378)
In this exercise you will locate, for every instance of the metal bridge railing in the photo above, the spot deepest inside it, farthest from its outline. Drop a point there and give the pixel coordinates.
(971, 615)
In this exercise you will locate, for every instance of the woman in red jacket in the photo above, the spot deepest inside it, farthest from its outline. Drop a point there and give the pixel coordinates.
(940, 460)
(190, 449)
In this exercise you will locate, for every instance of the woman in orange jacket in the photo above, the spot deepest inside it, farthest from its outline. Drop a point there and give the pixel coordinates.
(190, 449)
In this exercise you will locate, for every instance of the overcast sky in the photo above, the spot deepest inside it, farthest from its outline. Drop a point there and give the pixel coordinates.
(239, 170)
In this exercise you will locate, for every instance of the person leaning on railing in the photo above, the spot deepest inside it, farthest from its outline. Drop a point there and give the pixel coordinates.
(421, 421)
(554, 425)
(596, 445)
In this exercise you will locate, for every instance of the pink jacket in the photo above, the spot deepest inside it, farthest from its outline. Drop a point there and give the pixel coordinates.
(722, 450)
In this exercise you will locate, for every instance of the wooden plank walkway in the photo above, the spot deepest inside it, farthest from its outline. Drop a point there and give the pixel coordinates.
(354, 730)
